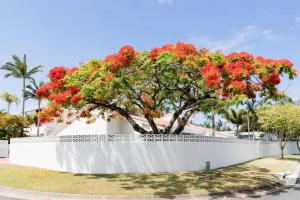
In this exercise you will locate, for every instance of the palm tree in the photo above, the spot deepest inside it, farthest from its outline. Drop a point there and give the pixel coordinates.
(9, 99)
(30, 93)
(236, 118)
(19, 69)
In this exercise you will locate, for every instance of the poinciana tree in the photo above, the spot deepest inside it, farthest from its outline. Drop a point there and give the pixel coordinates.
(173, 78)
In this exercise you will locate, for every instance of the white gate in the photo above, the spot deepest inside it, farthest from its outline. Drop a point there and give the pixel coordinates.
(3, 148)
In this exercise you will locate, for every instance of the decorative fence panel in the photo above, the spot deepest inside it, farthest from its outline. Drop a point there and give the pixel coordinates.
(4, 148)
(122, 153)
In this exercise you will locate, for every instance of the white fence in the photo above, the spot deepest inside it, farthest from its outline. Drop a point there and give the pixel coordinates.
(137, 153)
(3, 148)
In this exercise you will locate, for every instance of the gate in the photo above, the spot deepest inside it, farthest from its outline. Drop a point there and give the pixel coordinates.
(4, 148)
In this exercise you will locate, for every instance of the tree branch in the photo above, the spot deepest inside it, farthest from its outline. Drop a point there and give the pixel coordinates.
(182, 123)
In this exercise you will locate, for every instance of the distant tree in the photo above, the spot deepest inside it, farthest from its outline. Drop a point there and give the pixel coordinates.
(19, 69)
(9, 99)
(281, 120)
(278, 98)
(211, 108)
(250, 124)
(236, 117)
(30, 93)
(12, 126)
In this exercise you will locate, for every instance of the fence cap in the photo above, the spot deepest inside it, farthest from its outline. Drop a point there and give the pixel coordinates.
(129, 138)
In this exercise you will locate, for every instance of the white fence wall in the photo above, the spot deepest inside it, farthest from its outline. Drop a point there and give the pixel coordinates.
(4, 148)
(117, 154)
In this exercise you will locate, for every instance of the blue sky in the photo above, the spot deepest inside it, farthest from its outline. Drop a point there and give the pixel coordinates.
(66, 32)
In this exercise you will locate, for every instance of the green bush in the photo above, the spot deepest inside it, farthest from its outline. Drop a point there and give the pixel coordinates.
(12, 126)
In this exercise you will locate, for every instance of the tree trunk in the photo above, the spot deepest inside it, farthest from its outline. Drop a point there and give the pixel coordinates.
(298, 145)
(23, 98)
(248, 124)
(213, 124)
(237, 131)
(182, 122)
(281, 143)
(38, 121)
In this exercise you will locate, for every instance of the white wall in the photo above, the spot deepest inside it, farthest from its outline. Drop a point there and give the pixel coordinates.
(126, 156)
(32, 131)
(3, 148)
(100, 126)
(80, 126)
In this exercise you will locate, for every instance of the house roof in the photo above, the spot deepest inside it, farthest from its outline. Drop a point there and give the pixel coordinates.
(164, 121)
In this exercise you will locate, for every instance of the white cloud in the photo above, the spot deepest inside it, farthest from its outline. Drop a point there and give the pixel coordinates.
(240, 41)
(297, 20)
(166, 2)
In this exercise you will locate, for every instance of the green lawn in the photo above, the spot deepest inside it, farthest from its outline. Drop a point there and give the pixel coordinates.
(243, 176)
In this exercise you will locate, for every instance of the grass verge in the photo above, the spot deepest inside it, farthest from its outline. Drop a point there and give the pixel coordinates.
(242, 176)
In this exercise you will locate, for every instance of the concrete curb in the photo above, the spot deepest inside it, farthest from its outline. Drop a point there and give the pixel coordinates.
(293, 175)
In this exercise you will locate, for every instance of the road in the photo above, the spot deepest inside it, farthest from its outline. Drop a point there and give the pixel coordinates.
(286, 194)
(6, 198)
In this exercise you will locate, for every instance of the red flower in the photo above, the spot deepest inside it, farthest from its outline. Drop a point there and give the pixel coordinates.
(75, 99)
(116, 62)
(108, 77)
(183, 50)
(127, 51)
(74, 90)
(59, 98)
(239, 56)
(204, 50)
(154, 53)
(72, 70)
(147, 100)
(57, 73)
(211, 75)
(43, 91)
(180, 49)
(42, 119)
(239, 85)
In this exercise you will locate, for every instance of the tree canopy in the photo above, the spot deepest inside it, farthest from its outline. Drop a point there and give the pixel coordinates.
(9, 99)
(175, 78)
(13, 125)
(283, 120)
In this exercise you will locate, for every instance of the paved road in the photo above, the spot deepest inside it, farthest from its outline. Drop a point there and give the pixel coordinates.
(6, 198)
(288, 194)
(285, 194)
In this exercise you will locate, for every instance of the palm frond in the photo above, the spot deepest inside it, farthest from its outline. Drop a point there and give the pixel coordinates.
(34, 70)
(17, 60)
(29, 95)
(30, 92)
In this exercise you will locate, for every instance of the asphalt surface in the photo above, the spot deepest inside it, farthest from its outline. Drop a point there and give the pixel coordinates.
(6, 198)
(284, 194)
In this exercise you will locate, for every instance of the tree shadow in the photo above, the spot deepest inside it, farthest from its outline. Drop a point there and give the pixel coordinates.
(214, 183)
(292, 159)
